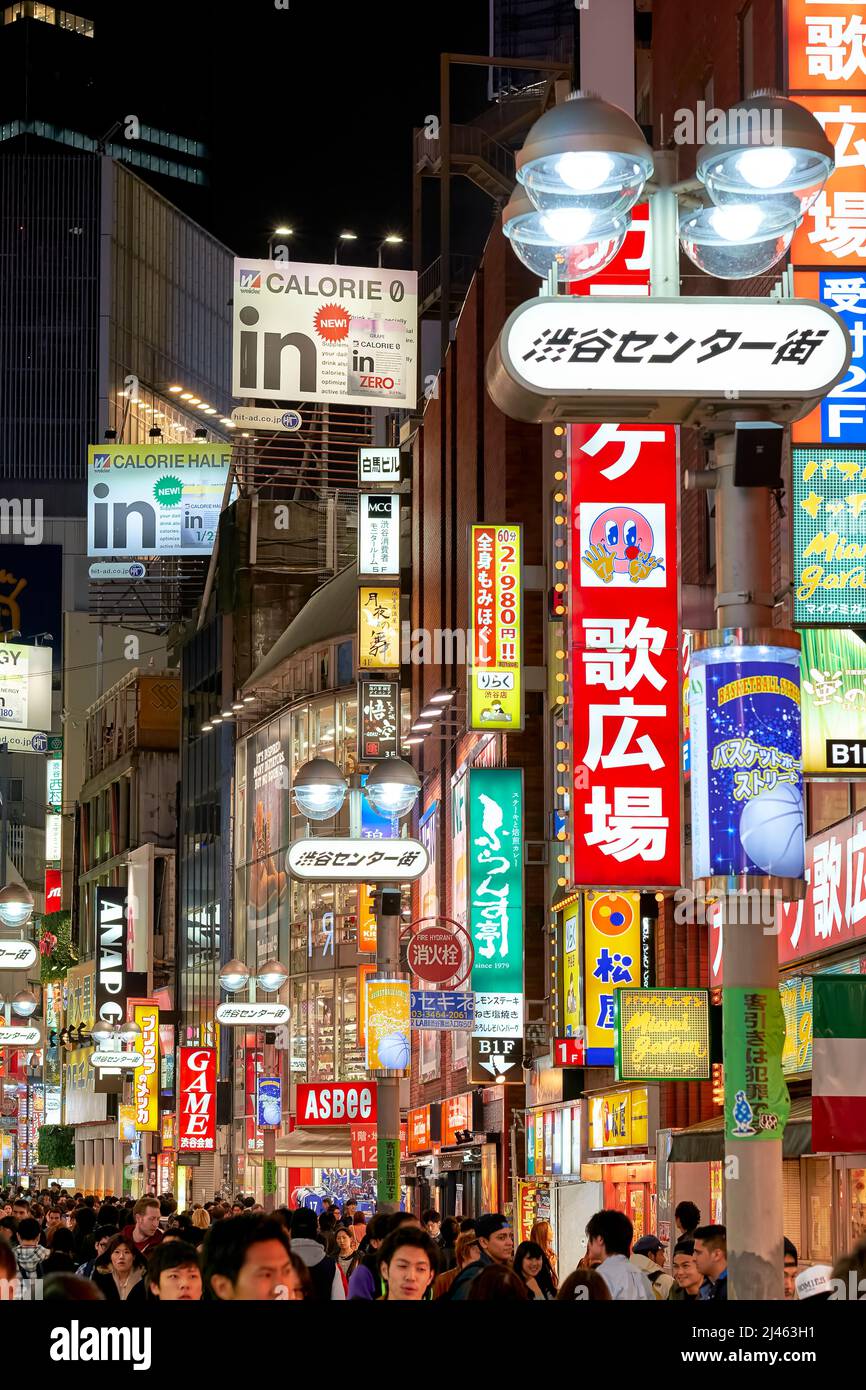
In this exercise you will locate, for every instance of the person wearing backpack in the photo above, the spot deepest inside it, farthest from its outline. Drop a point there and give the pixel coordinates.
(648, 1255)
(329, 1283)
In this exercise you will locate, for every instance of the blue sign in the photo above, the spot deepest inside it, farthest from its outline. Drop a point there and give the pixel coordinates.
(441, 1008)
(747, 766)
(269, 1102)
(843, 410)
(374, 826)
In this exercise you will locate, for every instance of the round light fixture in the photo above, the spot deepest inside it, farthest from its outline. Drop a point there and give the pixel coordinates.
(562, 239)
(25, 1003)
(393, 787)
(103, 1032)
(234, 975)
(16, 905)
(586, 154)
(319, 789)
(775, 148)
(737, 240)
(272, 976)
(129, 1032)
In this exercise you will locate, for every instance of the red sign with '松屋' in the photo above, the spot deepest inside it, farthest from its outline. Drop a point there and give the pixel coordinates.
(196, 1094)
(625, 656)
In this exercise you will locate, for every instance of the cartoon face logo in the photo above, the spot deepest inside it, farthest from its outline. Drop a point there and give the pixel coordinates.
(625, 533)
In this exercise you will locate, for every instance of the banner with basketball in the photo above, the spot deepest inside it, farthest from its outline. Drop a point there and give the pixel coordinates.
(611, 960)
(747, 765)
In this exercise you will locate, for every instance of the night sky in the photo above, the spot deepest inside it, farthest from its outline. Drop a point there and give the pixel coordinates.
(308, 112)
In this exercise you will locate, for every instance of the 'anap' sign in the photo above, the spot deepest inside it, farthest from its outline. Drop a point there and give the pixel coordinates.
(336, 1102)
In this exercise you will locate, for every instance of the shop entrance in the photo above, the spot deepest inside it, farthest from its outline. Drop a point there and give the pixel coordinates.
(631, 1188)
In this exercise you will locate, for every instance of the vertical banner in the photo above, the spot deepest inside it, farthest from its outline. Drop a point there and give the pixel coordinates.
(570, 1026)
(495, 835)
(378, 627)
(757, 1103)
(366, 918)
(379, 534)
(145, 1012)
(611, 961)
(747, 779)
(429, 1039)
(459, 891)
(496, 649)
(110, 986)
(387, 1024)
(196, 1094)
(388, 1170)
(625, 656)
(378, 720)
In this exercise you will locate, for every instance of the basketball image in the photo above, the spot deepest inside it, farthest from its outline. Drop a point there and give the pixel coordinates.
(613, 913)
(772, 831)
(394, 1051)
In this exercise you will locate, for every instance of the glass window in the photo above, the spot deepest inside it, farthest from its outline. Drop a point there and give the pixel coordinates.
(351, 1052)
(324, 729)
(819, 1208)
(298, 994)
(321, 1029)
(345, 664)
(347, 732)
(300, 739)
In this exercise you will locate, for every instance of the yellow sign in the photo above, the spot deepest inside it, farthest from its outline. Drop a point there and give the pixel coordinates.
(125, 1123)
(495, 621)
(366, 918)
(663, 1035)
(378, 627)
(611, 961)
(618, 1119)
(387, 1024)
(571, 973)
(146, 1077)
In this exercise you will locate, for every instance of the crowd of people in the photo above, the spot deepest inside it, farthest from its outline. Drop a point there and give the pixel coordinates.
(120, 1250)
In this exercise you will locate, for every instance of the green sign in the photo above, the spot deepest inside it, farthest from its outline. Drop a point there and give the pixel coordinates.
(388, 1171)
(757, 1103)
(269, 1175)
(829, 535)
(495, 849)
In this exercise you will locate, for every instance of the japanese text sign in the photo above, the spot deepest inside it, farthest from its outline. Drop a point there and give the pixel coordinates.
(569, 1009)
(619, 1119)
(366, 918)
(269, 1102)
(625, 656)
(495, 620)
(435, 955)
(387, 1024)
(378, 466)
(495, 846)
(757, 1103)
(841, 416)
(829, 527)
(196, 1093)
(611, 956)
(747, 777)
(378, 720)
(826, 41)
(436, 1008)
(378, 628)
(796, 996)
(662, 1034)
(833, 912)
(326, 860)
(146, 1078)
(379, 533)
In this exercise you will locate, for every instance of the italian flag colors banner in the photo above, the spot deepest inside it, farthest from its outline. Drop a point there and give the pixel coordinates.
(839, 1064)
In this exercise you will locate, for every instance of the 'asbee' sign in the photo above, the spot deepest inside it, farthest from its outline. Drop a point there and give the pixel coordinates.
(336, 1102)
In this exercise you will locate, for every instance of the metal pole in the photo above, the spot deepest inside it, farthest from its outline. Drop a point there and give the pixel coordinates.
(269, 1139)
(4, 812)
(754, 1214)
(388, 902)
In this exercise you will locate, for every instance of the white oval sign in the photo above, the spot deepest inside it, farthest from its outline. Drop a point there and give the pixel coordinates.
(575, 357)
(17, 955)
(356, 861)
(114, 1060)
(20, 1037)
(253, 1015)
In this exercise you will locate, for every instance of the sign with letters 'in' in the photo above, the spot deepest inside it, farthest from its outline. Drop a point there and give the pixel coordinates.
(625, 656)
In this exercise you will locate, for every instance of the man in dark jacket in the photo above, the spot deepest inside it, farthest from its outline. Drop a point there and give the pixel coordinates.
(711, 1258)
(496, 1243)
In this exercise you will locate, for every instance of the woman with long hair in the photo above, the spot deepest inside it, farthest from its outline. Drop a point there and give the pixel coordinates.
(542, 1234)
(584, 1286)
(119, 1274)
(529, 1264)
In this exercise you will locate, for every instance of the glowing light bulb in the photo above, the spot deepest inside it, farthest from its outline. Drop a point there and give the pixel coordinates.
(737, 221)
(766, 167)
(584, 171)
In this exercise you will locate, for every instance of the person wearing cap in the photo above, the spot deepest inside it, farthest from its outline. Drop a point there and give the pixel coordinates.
(496, 1244)
(609, 1235)
(814, 1282)
(648, 1255)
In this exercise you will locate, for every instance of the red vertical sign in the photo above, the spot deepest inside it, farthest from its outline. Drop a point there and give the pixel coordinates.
(53, 891)
(625, 656)
(196, 1128)
(254, 1066)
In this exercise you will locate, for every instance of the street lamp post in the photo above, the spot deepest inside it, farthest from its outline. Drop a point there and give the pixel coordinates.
(582, 169)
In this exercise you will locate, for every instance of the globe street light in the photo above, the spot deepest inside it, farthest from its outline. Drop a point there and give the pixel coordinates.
(129, 1032)
(25, 1003)
(16, 905)
(234, 976)
(319, 789)
(560, 240)
(789, 164)
(102, 1032)
(585, 154)
(737, 241)
(393, 787)
(272, 976)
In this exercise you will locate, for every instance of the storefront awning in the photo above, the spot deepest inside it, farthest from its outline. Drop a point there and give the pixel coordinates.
(705, 1142)
(327, 1147)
